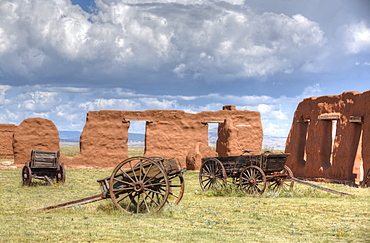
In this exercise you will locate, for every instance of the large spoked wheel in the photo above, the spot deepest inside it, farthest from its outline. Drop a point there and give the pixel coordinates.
(282, 183)
(139, 185)
(26, 176)
(252, 180)
(212, 174)
(61, 177)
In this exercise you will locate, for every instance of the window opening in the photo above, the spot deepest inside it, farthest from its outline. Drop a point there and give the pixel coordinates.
(333, 135)
(307, 124)
(136, 138)
(358, 166)
(212, 134)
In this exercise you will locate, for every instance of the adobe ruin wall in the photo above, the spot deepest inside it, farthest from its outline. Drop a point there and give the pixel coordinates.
(169, 134)
(6, 138)
(328, 138)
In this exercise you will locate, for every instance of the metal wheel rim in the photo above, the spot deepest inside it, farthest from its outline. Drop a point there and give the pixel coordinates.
(212, 173)
(134, 190)
(283, 184)
(252, 180)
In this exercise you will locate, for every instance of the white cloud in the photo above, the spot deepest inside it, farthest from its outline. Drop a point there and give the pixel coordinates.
(357, 37)
(311, 91)
(206, 41)
(3, 90)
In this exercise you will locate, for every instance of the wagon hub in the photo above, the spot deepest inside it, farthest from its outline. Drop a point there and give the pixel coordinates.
(139, 186)
(252, 181)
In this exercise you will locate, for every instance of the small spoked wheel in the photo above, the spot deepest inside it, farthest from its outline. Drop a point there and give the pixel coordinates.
(212, 174)
(177, 188)
(366, 182)
(139, 185)
(61, 176)
(282, 183)
(177, 184)
(26, 176)
(252, 180)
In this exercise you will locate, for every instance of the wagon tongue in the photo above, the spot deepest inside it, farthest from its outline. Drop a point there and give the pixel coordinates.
(77, 202)
(320, 187)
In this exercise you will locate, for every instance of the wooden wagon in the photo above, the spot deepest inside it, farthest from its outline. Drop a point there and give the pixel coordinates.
(139, 185)
(43, 166)
(252, 173)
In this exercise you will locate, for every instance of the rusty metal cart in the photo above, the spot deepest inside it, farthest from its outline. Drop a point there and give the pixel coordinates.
(43, 166)
(252, 173)
(139, 185)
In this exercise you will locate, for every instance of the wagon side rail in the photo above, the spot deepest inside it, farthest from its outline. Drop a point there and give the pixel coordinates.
(43, 159)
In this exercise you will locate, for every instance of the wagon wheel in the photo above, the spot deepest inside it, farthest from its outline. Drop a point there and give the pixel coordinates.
(61, 177)
(282, 183)
(139, 185)
(252, 180)
(212, 173)
(366, 181)
(177, 188)
(177, 185)
(26, 176)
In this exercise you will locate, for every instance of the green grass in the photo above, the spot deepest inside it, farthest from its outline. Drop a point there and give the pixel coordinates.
(305, 215)
(75, 150)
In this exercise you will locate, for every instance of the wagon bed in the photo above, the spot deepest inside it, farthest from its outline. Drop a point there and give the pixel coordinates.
(43, 165)
(252, 173)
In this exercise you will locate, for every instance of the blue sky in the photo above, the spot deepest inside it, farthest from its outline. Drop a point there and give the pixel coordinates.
(60, 59)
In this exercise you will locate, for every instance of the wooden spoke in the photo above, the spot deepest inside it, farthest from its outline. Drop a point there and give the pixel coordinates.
(142, 188)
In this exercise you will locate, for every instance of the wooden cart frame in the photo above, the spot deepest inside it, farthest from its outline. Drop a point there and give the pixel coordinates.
(252, 173)
(43, 166)
(139, 185)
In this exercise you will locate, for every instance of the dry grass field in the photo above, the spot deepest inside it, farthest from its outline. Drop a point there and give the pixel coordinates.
(303, 215)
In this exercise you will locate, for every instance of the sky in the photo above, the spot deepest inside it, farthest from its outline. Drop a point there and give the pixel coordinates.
(60, 59)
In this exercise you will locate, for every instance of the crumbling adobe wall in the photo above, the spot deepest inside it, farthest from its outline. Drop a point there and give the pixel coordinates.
(169, 134)
(103, 142)
(319, 150)
(242, 130)
(34, 133)
(6, 138)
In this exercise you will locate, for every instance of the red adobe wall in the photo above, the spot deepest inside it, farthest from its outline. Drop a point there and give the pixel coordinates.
(34, 133)
(6, 140)
(169, 134)
(313, 152)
